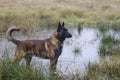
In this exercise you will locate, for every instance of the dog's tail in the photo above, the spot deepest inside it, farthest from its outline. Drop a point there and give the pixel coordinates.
(9, 34)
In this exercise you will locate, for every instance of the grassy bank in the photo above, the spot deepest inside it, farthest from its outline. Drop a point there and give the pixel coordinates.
(10, 71)
(105, 71)
(36, 14)
(99, 71)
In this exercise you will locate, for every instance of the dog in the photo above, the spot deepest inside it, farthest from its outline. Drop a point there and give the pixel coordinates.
(50, 48)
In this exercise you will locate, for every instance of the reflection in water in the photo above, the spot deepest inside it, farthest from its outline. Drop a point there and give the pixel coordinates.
(87, 41)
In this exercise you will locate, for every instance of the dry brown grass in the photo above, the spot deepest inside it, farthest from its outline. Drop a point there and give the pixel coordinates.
(37, 13)
(89, 4)
(105, 70)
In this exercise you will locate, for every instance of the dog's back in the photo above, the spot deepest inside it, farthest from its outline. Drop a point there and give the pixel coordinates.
(35, 47)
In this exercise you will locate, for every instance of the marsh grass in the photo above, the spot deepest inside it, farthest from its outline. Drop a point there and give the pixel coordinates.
(76, 51)
(79, 27)
(35, 15)
(105, 70)
(98, 71)
(12, 71)
(109, 46)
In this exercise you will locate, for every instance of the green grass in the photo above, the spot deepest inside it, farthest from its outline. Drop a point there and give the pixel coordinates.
(12, 71)
(109, 46)
(79, 28)
(76, 51)
(100, 71)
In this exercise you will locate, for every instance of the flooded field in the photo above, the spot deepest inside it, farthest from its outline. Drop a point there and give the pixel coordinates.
(78, 51)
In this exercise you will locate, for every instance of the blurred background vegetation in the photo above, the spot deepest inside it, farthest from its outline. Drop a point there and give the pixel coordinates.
(34, 14)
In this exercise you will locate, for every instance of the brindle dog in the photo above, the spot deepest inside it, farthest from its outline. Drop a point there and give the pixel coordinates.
(50, 48)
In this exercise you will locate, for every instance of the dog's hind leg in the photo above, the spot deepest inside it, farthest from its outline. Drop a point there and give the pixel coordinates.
(19, 54)
(28, 58)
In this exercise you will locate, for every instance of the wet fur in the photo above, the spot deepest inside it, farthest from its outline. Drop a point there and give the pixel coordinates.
(50, 48)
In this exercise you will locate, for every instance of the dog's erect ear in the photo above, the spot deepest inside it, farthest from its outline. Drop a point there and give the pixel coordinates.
(59, 27)
(63, 24)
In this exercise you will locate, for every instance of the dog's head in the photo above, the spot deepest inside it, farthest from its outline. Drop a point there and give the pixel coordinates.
(62, 32)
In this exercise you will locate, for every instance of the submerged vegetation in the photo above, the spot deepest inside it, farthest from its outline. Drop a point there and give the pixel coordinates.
(109, 45)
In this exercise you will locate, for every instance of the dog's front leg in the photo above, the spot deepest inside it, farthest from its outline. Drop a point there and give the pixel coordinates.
(53, 61)
(53, 65)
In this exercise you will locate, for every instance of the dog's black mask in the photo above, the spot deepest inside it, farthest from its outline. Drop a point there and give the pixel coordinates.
(62, 32)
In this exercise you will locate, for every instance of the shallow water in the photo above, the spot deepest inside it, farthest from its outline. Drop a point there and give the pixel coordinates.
(69, 62)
